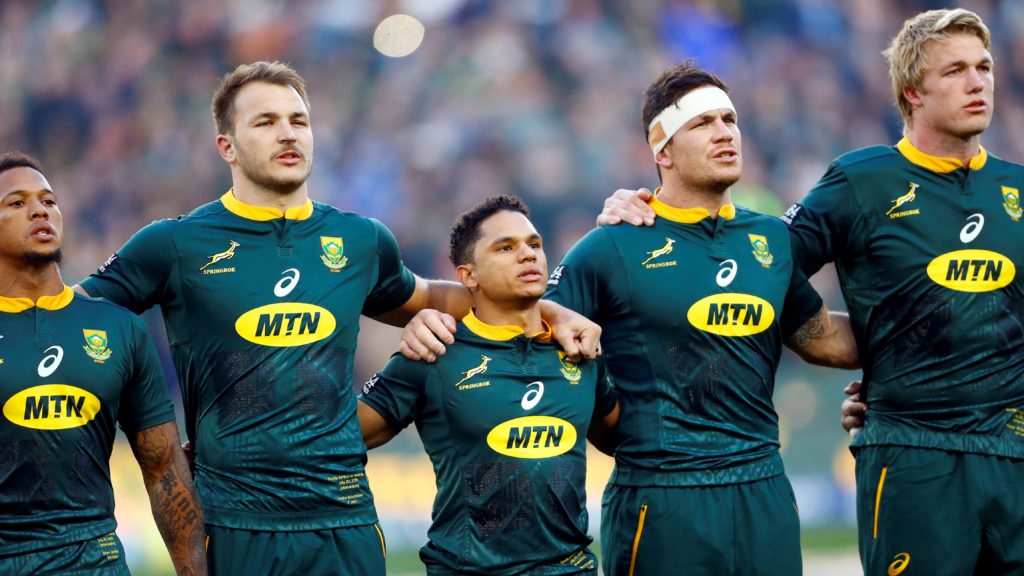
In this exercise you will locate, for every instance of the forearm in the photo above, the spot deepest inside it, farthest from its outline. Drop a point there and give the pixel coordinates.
(172, 497)
(827, 340)
(376, 430)
(603, 433)
(448, 297)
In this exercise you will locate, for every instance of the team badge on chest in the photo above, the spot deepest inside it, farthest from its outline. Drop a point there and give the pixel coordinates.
(761, 254)
(1011, 202)
(569, 369)
(96, 345)
(334, 252)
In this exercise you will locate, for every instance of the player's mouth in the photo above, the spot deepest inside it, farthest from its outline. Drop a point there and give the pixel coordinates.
(728, 155)
(976, 106)
(289, 157)
(532, 274)
(42, 231)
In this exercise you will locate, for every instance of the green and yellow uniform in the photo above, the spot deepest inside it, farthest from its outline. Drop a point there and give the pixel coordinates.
(694, 311)
(929, 256)
(504, 419)
(71, 367)
(262, 310)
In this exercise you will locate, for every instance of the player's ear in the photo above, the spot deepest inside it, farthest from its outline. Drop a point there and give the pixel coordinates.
(466, 273)
(913, 96)
(226, 148)
(662, 158)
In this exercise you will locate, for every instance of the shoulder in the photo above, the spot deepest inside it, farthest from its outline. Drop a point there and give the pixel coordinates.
(101, 307)
(355, 224)
(997, 167)
(746, 216)
(869, 159)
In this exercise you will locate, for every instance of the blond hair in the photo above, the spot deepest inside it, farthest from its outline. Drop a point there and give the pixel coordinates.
(906, 55)
(278, 73)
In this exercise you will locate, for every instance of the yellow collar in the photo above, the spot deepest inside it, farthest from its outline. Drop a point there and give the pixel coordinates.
(501, 333)
(687, 215)
(265, 213)
(15, 305)
(938, 163)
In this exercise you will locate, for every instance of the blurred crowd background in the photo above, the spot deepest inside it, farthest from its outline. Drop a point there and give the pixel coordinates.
(539, 98)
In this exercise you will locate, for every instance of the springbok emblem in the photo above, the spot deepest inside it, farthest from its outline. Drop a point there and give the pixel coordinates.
(666, 249)
(905, 199)
(225, 255)
(475, 371)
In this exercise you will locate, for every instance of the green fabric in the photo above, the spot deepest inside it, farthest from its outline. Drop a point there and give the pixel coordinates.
(940, 513)
(505, 425)
(350, 551)
(696, 405)
(747, 529)
(100, 556)
(263, 344)
(55, 479)
(942, 365)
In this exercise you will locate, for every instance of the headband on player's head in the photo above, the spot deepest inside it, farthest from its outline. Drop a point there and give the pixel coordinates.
(672, 118)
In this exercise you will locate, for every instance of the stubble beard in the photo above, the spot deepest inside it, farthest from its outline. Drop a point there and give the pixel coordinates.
(35, 259)
(260, 176)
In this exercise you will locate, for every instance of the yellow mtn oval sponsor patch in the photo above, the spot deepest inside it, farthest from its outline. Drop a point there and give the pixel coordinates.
(52, 407)
(532, 437)
(972, 270)
(731, 314)
(285, 324)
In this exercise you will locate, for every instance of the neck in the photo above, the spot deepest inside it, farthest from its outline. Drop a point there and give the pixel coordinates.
(945, 145)
(678, 196)
(255, 195)
(524, 314)
(32, 282)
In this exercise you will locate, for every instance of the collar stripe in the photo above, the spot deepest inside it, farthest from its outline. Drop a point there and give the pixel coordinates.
(938, 163)
(264, 213)
(500, 333)
(56, 302)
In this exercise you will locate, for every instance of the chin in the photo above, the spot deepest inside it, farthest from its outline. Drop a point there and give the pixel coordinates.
(37, 258)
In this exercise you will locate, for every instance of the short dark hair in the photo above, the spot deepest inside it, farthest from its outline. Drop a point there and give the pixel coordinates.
(223, 106)
(466, 230)
(671, 86)
(16, 159)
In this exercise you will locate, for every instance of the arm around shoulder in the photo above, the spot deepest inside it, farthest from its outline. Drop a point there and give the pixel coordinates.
(826, 339)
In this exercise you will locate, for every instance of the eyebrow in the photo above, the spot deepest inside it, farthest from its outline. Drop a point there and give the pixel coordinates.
(961, 63)
(23, 191)
(504, 239)
(275, 115)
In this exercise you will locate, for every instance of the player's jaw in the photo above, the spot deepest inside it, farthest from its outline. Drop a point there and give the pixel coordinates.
(283, 171)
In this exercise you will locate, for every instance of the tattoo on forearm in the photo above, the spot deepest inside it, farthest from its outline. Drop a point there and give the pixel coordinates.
(811, 330)
(175, 508)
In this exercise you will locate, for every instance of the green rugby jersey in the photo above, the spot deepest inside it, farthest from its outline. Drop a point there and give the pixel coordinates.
(929, 256)
(504, 419)
(262, 311)
(70, 368)
(693, 311)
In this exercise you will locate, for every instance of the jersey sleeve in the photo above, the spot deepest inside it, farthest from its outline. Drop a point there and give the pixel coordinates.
(136, 276)
(605, 396)
(395, 283)
(397, 391)
(802, 303)
(144, 399)
(578, 281)
(820, 223)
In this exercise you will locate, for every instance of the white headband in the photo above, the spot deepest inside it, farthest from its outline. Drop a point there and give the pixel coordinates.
(693, 103)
